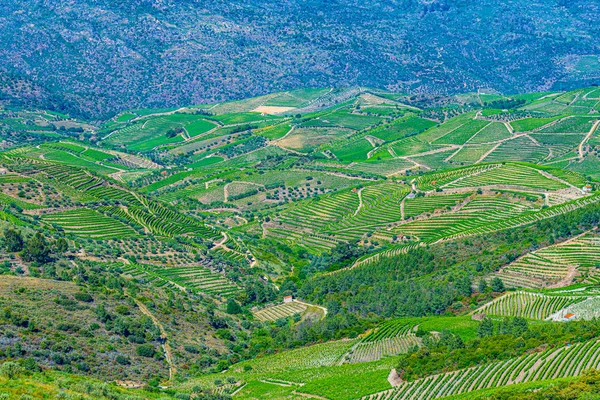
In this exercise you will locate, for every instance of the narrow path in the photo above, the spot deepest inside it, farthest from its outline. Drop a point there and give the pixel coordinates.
(561, 160)
(575, 99)
(312, 305)
(487, 153)
(310, 396)
(333, 173)
(163, 335)
(373, 140)
(476, 133)
(587, 137)
(435, 151)
(238, 389)
(447, 159)
(418, 164)
(275, 383)
(185, 134)
(371, 152)
(221, 242)
(117, 176)
(509, 127)
(402, 217)
(557, 179)
(226, 192)
(286, 135)
(276, 144)
(535, 142)
(360, 201)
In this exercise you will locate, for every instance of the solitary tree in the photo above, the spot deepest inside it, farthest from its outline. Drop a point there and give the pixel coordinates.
(497, 285)
(13, 240)
(233, 307)
(36, 249)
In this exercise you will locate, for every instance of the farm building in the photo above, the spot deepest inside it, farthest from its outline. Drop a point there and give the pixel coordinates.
(569, 317)
(587, 188)
(288, 299)
(410, 196)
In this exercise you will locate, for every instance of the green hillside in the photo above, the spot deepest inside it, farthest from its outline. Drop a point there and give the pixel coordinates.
(339, 244)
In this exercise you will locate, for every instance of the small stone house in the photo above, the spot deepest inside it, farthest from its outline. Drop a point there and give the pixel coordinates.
(478, 317)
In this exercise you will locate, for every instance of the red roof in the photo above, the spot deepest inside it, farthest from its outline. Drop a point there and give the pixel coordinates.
(569, 315)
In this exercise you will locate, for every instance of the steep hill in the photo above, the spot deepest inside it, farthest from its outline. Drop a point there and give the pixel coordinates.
(99, 57)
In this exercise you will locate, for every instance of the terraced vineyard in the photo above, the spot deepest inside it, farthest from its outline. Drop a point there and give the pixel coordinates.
(389, 339)
(391, 329)
(528, 305)
(376, 350)
(479, 212)
(316, 356)
(196, 278)
(276, 312)
(422, 205)
(553, 264)
(439, 179)
(89, 223)
(549, 364)
(508, 175)
(528, 218)
(319, 213)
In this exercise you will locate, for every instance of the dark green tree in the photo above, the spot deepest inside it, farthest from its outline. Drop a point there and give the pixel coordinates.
(482, 286)
(464, 285)
(497, 285)
(233, 307)
(13, 240)
(519, 326)
(486, 328)
(36, 249)
(61, 246)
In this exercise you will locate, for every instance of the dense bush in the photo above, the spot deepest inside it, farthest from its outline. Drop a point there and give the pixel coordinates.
(145, 350)
(11, 370)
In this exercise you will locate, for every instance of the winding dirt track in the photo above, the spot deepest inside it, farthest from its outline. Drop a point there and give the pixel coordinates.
(587, 137)
(163, 335)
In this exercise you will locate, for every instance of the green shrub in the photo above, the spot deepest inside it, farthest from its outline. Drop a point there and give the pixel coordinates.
(191, 348)
(122, 360)
(145, 350)
(11, 370)
(85, 297)
(30, 365)
(122, 309)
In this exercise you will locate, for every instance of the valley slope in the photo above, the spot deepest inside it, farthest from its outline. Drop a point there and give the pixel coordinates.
(344, 243)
